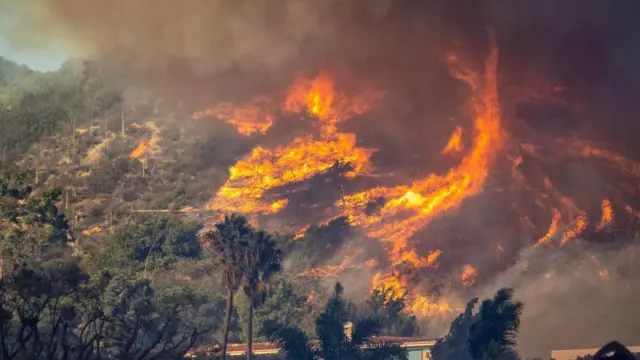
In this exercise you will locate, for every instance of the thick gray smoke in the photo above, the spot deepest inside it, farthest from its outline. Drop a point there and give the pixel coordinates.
(205, 50)
(577, 297)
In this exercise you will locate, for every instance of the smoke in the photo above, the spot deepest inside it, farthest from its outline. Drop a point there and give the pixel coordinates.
(202, 51)
(576, 297)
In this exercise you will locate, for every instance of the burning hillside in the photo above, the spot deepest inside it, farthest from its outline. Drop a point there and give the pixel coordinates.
(449, 152)
(393, 215)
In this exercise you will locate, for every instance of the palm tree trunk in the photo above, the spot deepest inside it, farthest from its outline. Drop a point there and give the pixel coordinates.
(250, 329)
(227, 323)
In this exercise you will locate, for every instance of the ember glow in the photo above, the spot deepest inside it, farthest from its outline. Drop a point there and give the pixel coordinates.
(469, 274)
(250, 118)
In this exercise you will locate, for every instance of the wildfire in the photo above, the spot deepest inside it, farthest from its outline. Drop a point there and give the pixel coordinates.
(553, 228)
(455, 142)
(305, 157)
(146, 145)
(395, 287)
(607, 214)
(469, 274)
(253, 117)
(578, 226)
(329, 270)
(92, 230)
(404, 209)
(140, 149)
(436, 194)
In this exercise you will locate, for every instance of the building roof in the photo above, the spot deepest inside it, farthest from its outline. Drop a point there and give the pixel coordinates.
(575, 353)
(266, 348)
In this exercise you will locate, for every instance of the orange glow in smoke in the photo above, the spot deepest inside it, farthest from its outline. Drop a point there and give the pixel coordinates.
(250, 118)
(455, 142)
(469, 274)
(607, 215)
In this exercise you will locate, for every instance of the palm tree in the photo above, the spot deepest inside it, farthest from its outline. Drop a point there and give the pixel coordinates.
(334, 343)
(263, 260)
(229, 242)
(493, 333)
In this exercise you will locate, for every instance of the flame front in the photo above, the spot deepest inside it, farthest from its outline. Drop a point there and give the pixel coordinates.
(469, 274)
(140, 149)
(454, 145)
(250, 118)
(425, 199)
(402, 210)
(305, 157)
(607, 214)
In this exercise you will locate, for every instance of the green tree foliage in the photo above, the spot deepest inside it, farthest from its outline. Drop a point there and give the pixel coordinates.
(227, 245)
(333, 342)
(488, 335)
(282, 305)
(149, 244)
(493, 334)
(55, 311)
(34, 105)
(30, 224)
(262, 261)
(389, 309)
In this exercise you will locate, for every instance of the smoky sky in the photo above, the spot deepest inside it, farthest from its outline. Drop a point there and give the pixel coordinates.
(238, 47)
(203, 51)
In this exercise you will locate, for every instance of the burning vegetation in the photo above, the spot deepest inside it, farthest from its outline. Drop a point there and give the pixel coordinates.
(395, 214)
(427, 169)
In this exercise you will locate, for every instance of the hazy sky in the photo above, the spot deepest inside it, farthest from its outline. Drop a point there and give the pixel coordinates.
(43, 60)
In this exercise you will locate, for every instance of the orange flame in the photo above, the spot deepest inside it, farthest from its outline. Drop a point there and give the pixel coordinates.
(578, 226)
(553, 228)
(395, 287)
(607, 214)
(305, 157)
(140, 150)
(329, 270)
(320, 98)
(436, 194)
(469, 274)
(455, 142)
(249, 118)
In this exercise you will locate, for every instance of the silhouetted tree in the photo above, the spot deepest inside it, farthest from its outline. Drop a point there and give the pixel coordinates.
(262, 261)
(333, 342)
(228, 244)
(454, 345)
(492, 335)
(488, 335)
(52, 310)
(389, 308)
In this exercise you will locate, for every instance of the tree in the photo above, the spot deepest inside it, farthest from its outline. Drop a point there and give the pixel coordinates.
(262, 261)
(334, 342)
(488, 335)
(493, 334)
(454, 345)
(385, 305)
(53, 310)
(31, 226)
(151, 243)
(282, 304)
(227, 244)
